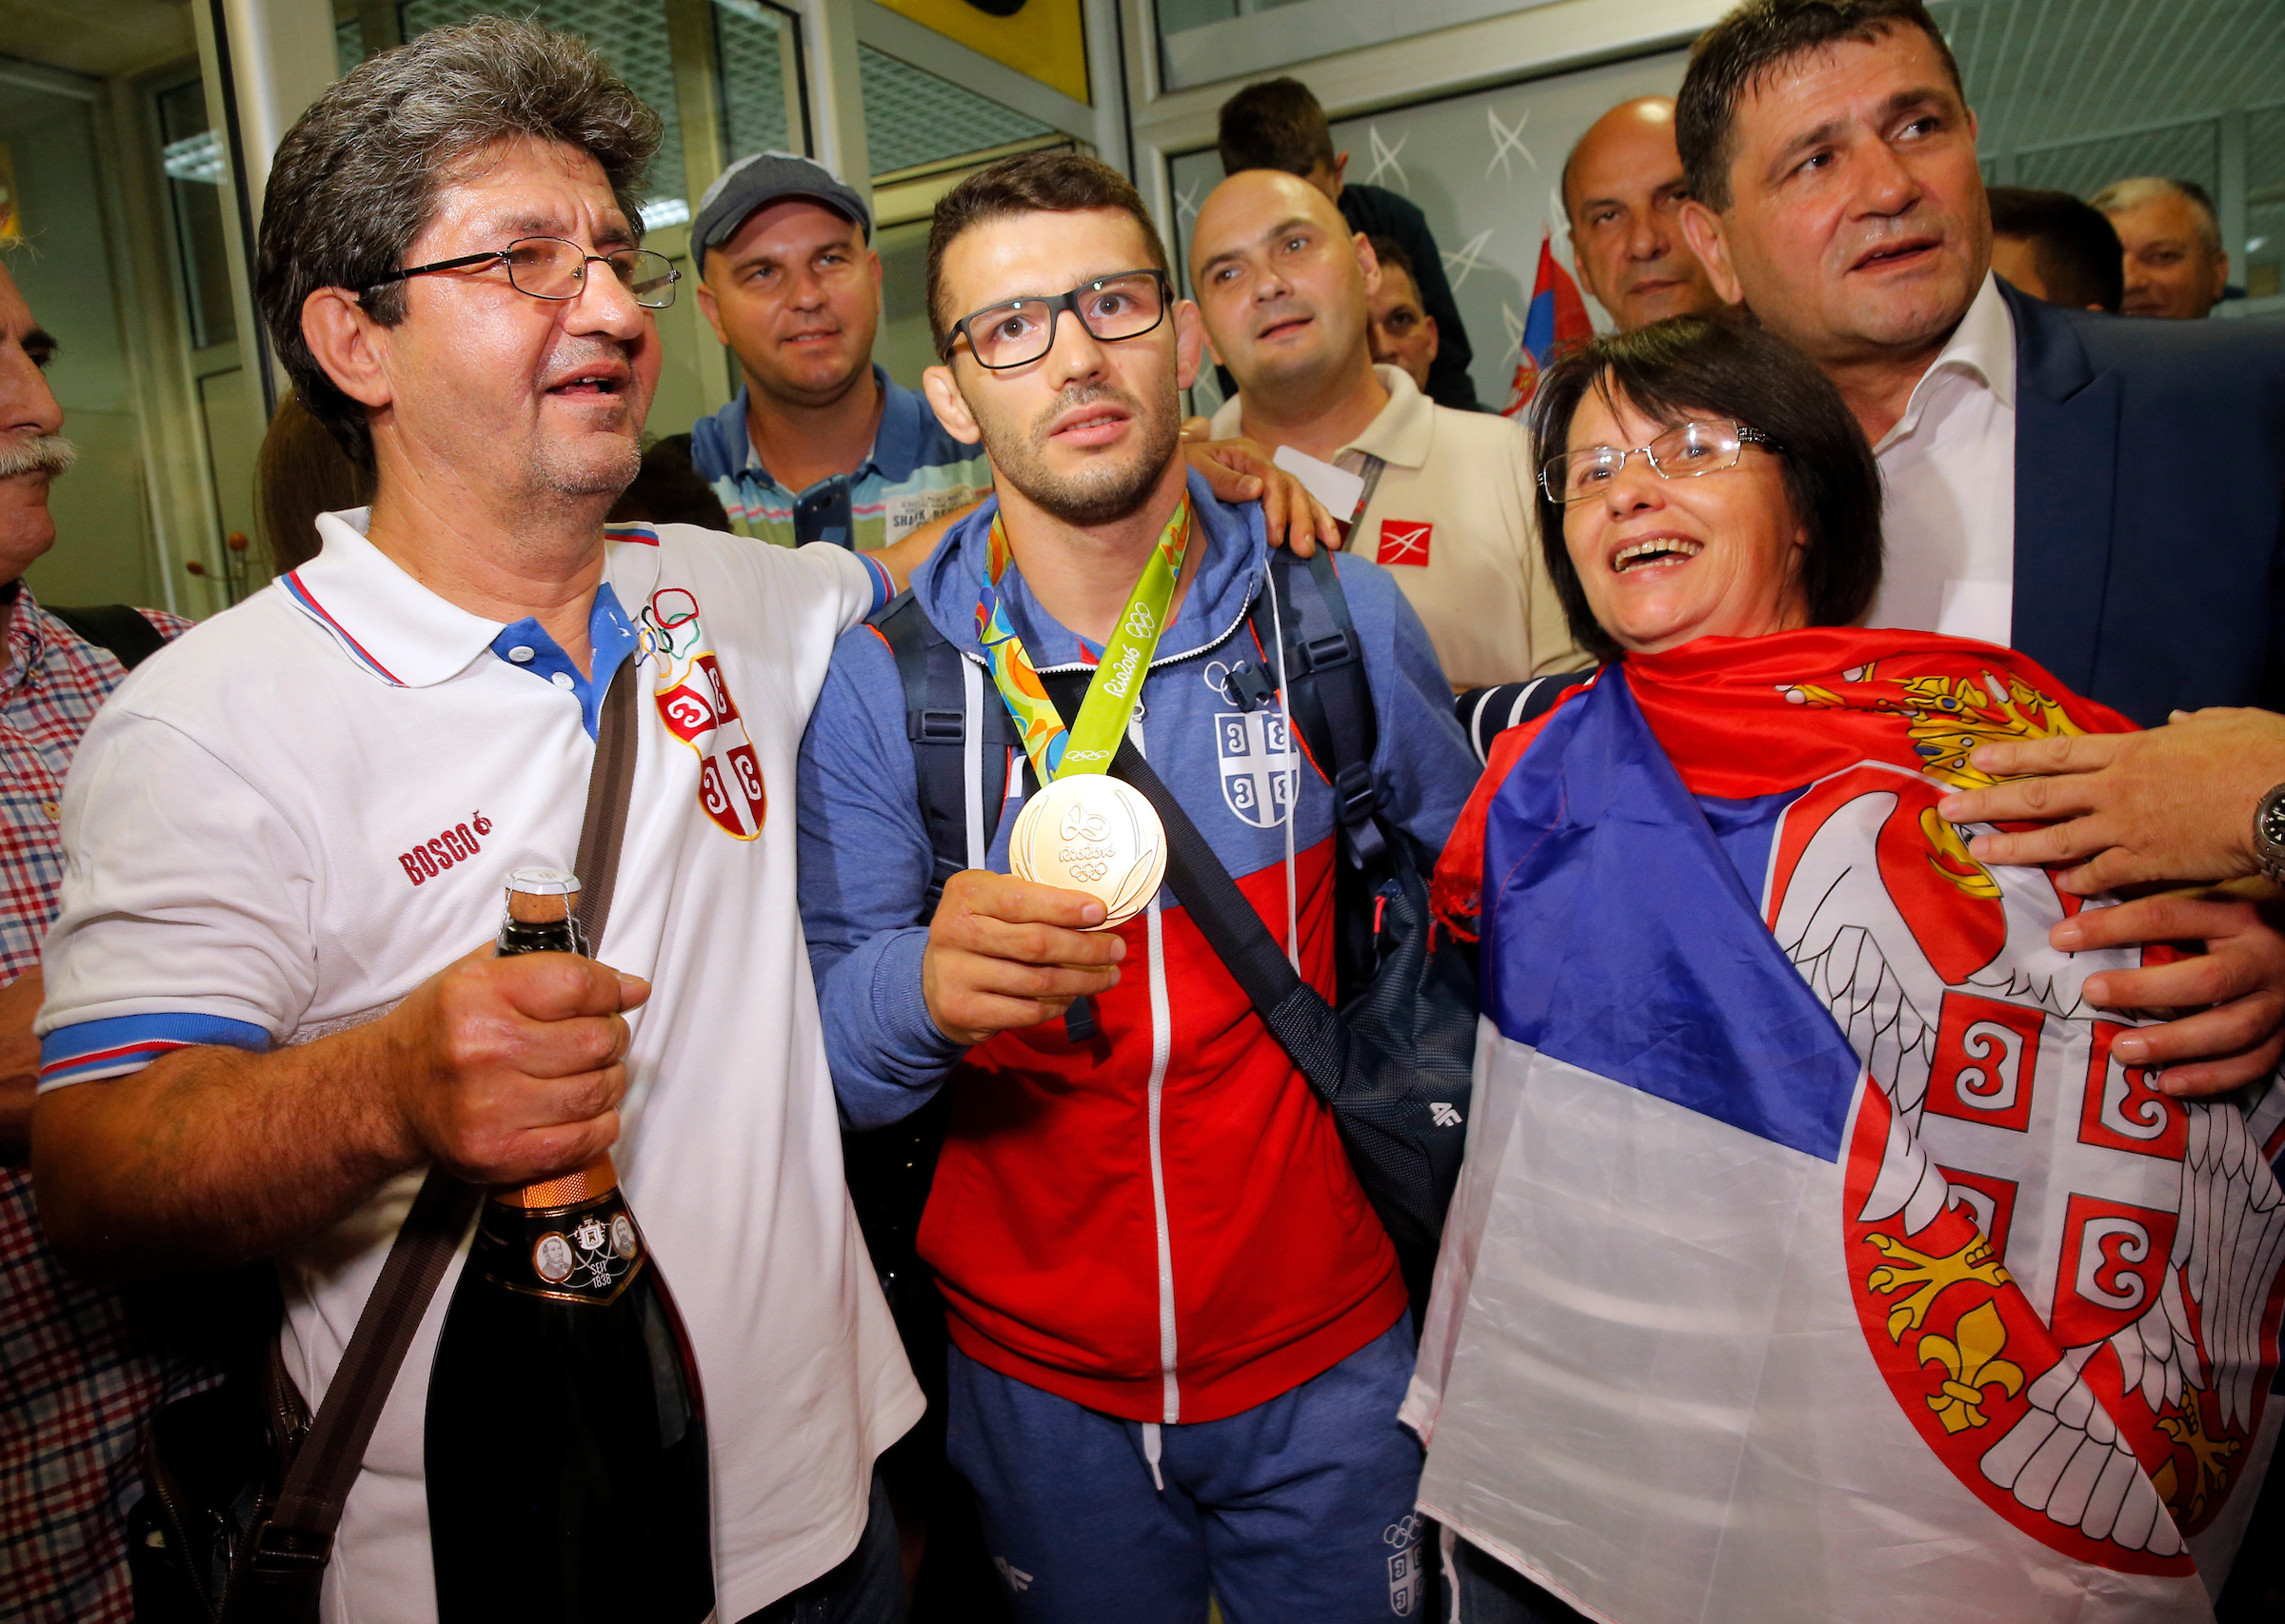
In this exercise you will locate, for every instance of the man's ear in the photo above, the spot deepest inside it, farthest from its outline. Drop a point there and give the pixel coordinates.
(1340, 169)
(1369, 263)
(712, 311)
(1703, 229)
(1434, 341)
(1190, 343)
(349, 345)
(943, 390)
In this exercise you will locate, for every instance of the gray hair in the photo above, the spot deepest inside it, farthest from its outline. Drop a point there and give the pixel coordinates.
(2121, 196)
(357, 178)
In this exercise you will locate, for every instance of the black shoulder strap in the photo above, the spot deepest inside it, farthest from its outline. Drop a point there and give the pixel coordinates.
(286, 1567)
(1328, 689)
(123, 631)
(937, 705)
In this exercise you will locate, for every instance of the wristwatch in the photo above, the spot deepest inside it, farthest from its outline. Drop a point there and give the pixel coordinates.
(2269, 834)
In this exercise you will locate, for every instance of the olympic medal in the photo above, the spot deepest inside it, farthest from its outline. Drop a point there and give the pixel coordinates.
(1092, 833)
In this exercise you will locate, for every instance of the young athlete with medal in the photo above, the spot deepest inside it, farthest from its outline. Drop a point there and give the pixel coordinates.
(1178, 1338)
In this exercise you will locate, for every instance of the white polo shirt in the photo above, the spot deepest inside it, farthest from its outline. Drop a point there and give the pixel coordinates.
(1452, 518)
(309, 805)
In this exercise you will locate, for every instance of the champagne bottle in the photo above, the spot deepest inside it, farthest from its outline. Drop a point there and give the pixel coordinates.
(566, 1436)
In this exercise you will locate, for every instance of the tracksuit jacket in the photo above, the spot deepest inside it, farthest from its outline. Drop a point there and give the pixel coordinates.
(1159, 1223)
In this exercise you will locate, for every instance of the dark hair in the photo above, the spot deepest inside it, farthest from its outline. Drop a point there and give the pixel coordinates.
(300, 472)
(668, 490)
(1273, 124)
(1030, 183)
(1689, 365)
(1392, 257)
(357, 177)
(2073, 244)
(1737, 55)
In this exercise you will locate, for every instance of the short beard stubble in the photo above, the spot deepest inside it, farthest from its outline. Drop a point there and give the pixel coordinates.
(1104, 490)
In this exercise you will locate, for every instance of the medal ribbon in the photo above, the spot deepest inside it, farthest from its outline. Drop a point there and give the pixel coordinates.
(1089, 743)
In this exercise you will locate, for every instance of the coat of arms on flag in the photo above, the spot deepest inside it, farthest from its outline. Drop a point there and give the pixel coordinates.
(1557, 316)
(1816, 1251)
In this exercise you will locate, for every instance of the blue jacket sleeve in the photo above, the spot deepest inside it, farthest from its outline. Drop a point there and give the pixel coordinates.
(1422, 764)
(864, 863)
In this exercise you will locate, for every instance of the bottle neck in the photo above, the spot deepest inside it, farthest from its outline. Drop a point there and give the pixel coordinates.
(591, 1183)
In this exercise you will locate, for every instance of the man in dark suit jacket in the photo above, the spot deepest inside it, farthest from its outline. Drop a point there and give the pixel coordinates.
(2107, 495)
(1278, 125)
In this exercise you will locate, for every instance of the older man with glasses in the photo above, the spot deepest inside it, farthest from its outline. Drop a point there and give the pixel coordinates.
(265, 1020)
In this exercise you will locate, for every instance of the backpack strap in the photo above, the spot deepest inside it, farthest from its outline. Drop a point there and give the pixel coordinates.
(119, 630)
(960, 740)
(1326, 686)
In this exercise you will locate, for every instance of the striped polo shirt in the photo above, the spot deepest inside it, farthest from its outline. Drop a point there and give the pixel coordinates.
(914, 472)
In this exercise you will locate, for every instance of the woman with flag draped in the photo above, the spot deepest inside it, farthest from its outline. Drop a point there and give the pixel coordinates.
(1835, 1241)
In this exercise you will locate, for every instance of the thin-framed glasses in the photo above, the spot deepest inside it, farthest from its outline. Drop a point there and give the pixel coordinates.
(1683, 452)
(550, 268)
(1112, 308)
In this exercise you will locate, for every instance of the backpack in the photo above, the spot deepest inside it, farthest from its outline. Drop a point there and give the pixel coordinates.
(1411, 997)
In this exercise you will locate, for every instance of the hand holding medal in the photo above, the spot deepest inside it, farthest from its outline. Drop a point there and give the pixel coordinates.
(1087, 831)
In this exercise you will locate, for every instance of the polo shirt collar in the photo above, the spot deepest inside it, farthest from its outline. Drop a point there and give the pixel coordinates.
(897, 442)
(384, 619)
(1981, 348)
(1404, 431)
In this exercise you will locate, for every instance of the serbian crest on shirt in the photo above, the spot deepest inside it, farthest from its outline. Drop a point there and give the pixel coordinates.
(694, 702)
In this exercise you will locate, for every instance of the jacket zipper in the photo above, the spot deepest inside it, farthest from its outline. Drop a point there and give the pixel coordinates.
(1161, 1044)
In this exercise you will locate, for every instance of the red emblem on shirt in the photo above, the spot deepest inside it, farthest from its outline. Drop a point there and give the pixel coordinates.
(695, 703)
(1404, 541)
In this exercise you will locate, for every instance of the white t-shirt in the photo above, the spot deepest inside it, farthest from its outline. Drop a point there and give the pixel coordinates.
(309, 805)
(1452, 519)
(1948, 467)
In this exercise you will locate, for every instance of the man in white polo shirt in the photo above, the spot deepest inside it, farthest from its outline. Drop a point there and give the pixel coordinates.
(1284, 286)
(285, 835)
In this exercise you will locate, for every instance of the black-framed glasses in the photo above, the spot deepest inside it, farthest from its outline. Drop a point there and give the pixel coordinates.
(1683, 452)
(1125, 305)
(550, 268)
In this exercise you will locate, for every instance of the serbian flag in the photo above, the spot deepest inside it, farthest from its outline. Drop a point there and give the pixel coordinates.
(1557, 316)
(1815, 1256)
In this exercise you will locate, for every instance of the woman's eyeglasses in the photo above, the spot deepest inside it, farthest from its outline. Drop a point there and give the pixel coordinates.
(1683, 452)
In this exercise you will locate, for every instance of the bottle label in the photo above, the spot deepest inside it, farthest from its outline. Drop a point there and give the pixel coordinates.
(582, 1253)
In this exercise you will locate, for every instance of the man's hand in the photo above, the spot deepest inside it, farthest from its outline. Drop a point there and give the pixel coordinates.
(2241, 975)
(2174, 803)
(1003, 954)
(902, 558)
(510, 1070)
(19, 1060)
(1240, 470)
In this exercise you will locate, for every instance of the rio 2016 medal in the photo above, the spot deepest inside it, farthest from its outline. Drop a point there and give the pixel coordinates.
(1092, 833)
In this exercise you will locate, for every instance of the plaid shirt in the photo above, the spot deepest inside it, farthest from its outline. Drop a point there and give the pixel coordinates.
(81, 1366)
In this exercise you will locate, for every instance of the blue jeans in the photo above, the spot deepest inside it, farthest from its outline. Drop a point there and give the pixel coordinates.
(1490, 1591)
(866, 1588)
(1297, 1510)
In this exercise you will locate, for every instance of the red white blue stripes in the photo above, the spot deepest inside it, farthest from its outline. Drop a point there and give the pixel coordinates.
(127, 1043)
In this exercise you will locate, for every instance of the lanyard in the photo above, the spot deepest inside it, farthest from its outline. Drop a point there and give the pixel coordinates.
(1088, 745)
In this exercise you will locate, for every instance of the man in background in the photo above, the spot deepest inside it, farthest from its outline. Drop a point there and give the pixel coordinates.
(1624, 193)
(1278, 125)
(87, 1364)
(1286, 286)
(2176, 266)
(2056, 248)
(820, 444)
(1402, 333)
(2034, 457)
